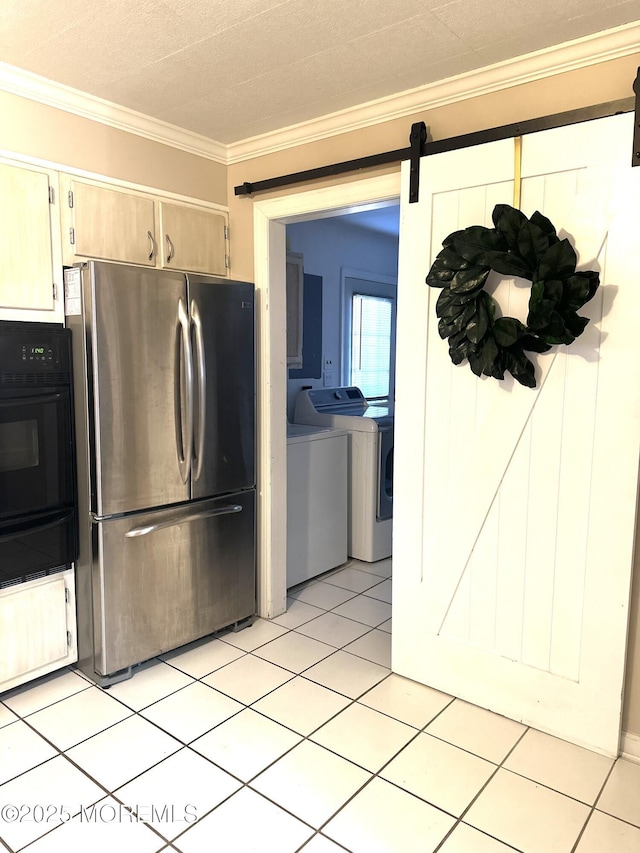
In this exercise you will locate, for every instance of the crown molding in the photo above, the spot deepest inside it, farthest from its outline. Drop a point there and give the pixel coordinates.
(36, 88)
(590, 50)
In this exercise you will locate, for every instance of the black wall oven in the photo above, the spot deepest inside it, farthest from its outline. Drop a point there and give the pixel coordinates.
(38, 521)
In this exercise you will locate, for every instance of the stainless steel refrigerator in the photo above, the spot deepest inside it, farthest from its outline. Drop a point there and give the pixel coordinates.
(164, 383)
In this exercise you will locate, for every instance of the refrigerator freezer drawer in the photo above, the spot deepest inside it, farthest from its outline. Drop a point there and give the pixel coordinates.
(168, 577)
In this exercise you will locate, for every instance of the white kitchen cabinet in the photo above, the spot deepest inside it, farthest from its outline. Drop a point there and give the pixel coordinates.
(30, 261)
(193, 239)
(118, 224)
(37, 628)
(110, 224)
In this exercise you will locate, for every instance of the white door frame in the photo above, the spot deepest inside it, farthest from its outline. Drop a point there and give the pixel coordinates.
(269, 219)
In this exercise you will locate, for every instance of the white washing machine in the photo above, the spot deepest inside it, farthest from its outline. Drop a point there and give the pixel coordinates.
(370, 466)
(316, 501)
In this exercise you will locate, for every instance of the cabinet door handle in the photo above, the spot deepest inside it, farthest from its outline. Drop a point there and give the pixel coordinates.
(152, 246)
(170, 251)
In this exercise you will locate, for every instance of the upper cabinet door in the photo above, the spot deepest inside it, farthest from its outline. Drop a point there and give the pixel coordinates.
(27, 272)
(193, 239)
(112, 225)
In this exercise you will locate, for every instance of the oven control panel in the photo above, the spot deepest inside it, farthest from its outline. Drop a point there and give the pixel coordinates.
(28, 347)
(39, 352)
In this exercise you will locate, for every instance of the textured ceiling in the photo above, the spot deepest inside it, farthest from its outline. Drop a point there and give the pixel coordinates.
(232, 69)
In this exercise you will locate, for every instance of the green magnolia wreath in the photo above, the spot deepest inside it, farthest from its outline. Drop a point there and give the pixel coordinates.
(516, 246)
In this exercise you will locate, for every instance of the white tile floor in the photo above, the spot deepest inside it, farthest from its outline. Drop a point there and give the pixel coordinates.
(293, 735)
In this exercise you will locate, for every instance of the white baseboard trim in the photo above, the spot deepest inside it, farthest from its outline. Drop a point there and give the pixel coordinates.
(630, 746)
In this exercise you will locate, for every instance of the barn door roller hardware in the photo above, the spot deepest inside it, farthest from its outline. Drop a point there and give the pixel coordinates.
(419, 147)
(635, 160)
(417, 140)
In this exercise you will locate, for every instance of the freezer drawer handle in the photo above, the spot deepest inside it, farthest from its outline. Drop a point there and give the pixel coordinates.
(179, 518)
(184, 436)
(201, 374)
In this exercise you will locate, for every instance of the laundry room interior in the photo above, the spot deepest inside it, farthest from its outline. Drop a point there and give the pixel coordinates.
(341, 288)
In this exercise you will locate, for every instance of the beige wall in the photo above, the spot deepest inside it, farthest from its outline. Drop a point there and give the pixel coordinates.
(45, 133)
(598, 84)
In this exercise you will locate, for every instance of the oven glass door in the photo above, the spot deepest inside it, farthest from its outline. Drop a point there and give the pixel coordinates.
(36, 468)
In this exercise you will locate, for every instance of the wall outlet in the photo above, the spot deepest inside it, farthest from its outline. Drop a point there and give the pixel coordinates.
(328, 373)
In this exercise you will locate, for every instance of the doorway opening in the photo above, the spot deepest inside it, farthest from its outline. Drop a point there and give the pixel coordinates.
(271, 218)
(341, 291)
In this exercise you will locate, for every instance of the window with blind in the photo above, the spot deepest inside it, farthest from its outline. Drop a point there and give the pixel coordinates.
(371, 321)
(369, 311)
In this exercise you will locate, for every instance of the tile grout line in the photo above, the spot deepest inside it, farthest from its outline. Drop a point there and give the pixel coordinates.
(307, 737)
(187, 744)
(105, 789)
(376, 774)
(593, 807)
(465, 811)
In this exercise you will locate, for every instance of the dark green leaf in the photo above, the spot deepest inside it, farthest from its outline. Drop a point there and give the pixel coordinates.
(446, 328)
(537, 294)
(508, 264)
(556, 324)
(559, 261)
(483, 359)
(497, 370)
(446, 264)
(579, 288)
(475, 363)
(519, 366)
(575, 324)
(453, 325)
(533, 343)
(479, 323)
(468, 280)
(555, 332)
(457, 354)
(507, 330)
(459, 338)
(490, 304)
(447, 298)
(545, 225)
(533, 243)
(451, 310)
(540, 314)
(476, 242)
(448, 241)
(488, 356)
(553, 290)
(508, 221)
(461, 350)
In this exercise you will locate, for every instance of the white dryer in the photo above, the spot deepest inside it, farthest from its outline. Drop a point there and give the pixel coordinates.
(370, 463)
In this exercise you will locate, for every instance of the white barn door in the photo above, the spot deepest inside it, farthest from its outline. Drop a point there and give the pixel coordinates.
(515, 507)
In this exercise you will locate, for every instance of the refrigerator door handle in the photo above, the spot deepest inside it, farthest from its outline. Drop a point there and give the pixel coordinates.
(201, 372)
(184, 436)
(183, 517)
